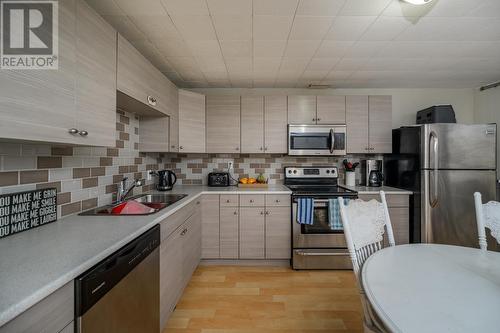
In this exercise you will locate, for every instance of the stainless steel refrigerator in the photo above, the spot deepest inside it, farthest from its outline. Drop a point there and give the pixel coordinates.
(444, 164)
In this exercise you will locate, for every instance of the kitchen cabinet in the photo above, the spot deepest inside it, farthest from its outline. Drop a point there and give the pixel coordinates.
(223, 124)
(302, 110)
(173, 113)
(252, 124)
(74, 104)
(210, 227)
(191, 122)
(154, 134)
(369, 123)
(95, 78)
(275, 124)
(278, 232)
(330, 109)
(180, 254)
(229, 232)
(252, 233)
(52, 314)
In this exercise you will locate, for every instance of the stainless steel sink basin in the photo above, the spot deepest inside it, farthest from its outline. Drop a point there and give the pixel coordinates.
(155, 203)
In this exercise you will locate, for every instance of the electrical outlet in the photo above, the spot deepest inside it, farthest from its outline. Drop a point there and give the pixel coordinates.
(230, 165)
(149, 174)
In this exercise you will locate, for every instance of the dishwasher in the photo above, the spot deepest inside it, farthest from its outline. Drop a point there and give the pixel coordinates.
(122, 292)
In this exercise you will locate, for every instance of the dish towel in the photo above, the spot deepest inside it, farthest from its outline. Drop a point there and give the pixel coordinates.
(305, 211)
(334, 218)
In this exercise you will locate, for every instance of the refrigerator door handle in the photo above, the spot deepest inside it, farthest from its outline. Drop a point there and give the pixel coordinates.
(434, 148)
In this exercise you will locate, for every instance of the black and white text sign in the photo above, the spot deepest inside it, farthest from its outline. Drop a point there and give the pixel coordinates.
(26, 210)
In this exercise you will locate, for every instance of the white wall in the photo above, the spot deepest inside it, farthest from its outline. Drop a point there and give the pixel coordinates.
(406, 102)
(487, 110)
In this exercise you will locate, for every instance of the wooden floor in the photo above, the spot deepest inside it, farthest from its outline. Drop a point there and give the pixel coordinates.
(230, 299)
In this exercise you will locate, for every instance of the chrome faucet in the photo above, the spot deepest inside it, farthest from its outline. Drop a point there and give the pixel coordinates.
(123, 191)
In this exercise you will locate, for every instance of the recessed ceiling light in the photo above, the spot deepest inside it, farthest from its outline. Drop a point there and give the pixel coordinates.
(418, 2)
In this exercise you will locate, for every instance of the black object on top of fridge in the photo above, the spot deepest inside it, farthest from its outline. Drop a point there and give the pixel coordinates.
(443, 165)
(436, 114)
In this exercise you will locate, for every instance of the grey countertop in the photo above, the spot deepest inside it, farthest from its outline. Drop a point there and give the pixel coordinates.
(373, 190)
(35, 263)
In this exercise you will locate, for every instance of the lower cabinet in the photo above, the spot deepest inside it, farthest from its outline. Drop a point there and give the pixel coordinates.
(252, 233)
(210, 227)
(180, 254)
(278, 233)
(229, 231)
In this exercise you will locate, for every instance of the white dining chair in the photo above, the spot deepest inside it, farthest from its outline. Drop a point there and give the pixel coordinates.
(487, 216)
(365, 223)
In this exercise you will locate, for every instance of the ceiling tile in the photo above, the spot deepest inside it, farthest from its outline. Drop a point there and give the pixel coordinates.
(365, 49)
(349, 28)
(243, 83)
(322, 64)
(350, 64)
(313, 75)
(364, 7)
(197, 27)
(155, 26)
(294, 64)
(271, 27)
(268, 48)
(310, 27)
(213, 64)
(263, 65)
(236, 48)
(320, 7)
(241, 66)
(172, 47)
(339, 75)
(292, 75)
(452, 8)
(183, 63)
(143, 7)
(186, 7)
(385, 28)
(488, 8)
(215, 75)
(193, 74)
(230, 7)
(233, 27)
(125, 27)
(333, 49)
(275, 7)
(301, 48)
(106, 7)
(202, 48)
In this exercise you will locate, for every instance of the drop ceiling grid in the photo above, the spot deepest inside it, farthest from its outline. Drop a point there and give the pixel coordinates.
(367, 43)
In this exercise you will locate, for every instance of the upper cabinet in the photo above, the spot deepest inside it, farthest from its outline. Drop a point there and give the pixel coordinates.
(223, 124)
(330, 109)
(191, 122)
(369, 123)
(252, 124)
(275, 124)
(302, 110)
(74, 104)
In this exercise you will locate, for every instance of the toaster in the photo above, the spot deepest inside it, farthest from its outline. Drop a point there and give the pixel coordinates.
(218, 179)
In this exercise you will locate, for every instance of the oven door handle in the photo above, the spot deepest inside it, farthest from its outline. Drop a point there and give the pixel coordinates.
(332, 140)
(318, 254)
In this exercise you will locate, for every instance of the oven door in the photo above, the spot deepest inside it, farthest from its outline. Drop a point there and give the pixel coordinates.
(317, 140)
(319, 235)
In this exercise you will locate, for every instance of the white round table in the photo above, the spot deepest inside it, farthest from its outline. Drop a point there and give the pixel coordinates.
(434, 288)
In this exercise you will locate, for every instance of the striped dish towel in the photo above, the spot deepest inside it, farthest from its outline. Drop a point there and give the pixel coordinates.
(305, 211)
(334, 219)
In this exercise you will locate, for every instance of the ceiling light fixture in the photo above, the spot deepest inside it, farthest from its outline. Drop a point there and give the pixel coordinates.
(417, 2)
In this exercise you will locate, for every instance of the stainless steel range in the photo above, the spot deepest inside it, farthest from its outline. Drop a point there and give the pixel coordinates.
(317, 246)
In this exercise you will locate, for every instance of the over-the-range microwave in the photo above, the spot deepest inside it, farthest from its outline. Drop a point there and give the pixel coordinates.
(317, 140)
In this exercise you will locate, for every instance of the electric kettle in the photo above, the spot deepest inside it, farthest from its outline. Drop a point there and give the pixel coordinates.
(375, 178)
(166, 180)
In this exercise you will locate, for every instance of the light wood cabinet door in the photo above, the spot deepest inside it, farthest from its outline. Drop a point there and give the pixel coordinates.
(210, 227)
(330, 109)
(173, 112)
(223, 124)
(252, 233)
(275, 124)
(39, 105)
(154, 134)
(229, 230)
(302, 109)
(95, 78)
(252, 124)
(357, 124)
(191, 122)
(191, 244)
(278, 233)
(380, 124)
(171, 277)
(400, 221)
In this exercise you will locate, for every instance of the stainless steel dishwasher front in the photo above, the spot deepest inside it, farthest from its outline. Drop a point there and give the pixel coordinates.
(121, 294)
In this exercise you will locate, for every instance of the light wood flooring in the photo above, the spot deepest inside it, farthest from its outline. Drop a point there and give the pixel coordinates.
(236, 299)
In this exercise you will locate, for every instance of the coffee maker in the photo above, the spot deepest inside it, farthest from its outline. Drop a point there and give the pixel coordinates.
(371, 173)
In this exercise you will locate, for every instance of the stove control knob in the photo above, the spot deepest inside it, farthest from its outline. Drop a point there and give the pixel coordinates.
(333, 171)
(327, 171)
(294, 171)
(289, 171)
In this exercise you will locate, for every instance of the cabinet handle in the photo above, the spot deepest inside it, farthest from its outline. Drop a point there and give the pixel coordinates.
(172, 146)
(84, 133)
(277, 201)
(265, 148)
(235, 213)
(237, 148)
(267, 213)
(261, 213)
(261, 148)
(181, 147)
(227, 201)
(184, 232)
(197, 202)
(73, 131)
(314, 119)
(251, 200)
(318, 119)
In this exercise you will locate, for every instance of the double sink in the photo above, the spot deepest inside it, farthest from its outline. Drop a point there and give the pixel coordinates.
(144, 204)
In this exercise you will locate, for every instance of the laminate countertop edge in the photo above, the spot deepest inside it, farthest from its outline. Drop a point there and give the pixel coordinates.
(74, 244)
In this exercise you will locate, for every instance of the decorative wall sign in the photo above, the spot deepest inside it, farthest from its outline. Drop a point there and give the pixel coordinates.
(27, 210)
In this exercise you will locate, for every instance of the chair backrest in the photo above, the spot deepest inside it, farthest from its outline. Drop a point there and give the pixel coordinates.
(487, 216)
(364, 223)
